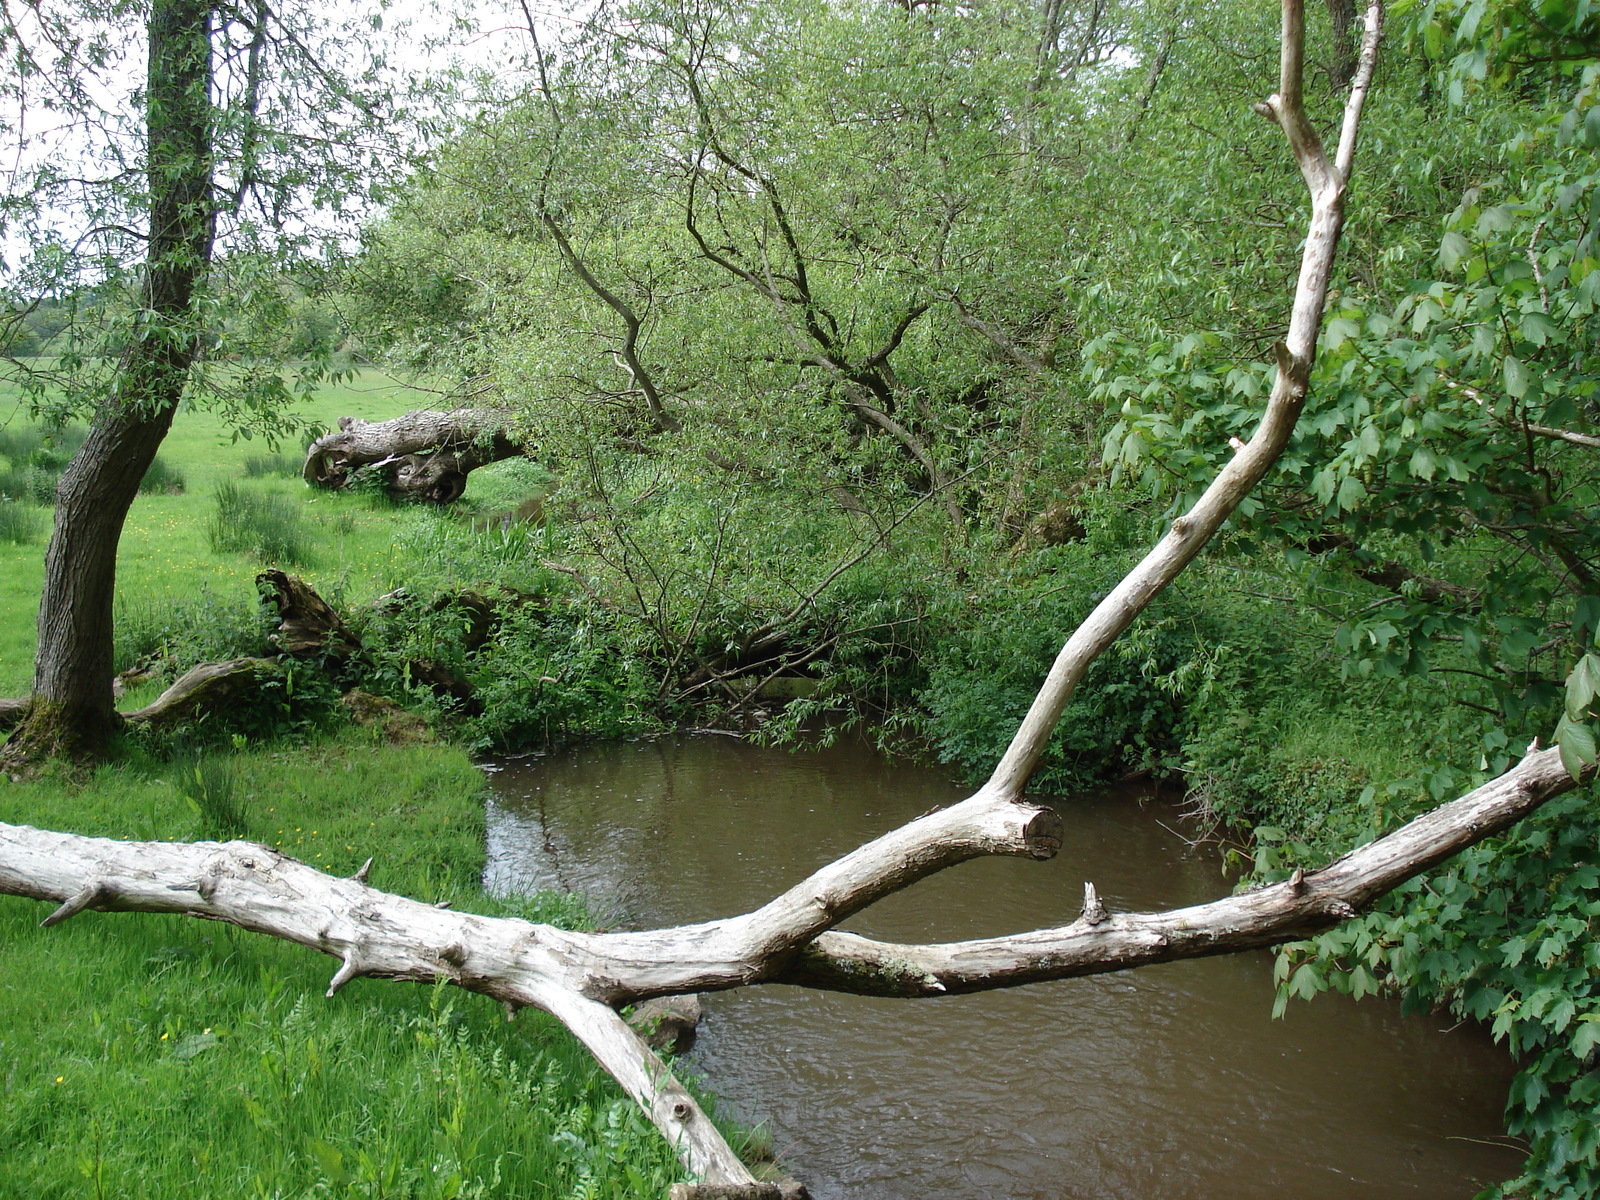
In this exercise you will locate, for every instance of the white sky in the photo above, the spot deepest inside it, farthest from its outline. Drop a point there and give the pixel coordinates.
(421, 38)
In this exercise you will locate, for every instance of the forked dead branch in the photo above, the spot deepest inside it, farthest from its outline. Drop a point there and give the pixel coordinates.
(584, 979)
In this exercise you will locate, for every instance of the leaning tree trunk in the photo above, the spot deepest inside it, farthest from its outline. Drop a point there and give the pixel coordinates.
(73, 711)
(425, 455)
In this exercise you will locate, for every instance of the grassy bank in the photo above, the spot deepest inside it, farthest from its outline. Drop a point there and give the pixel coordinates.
(152, 1057)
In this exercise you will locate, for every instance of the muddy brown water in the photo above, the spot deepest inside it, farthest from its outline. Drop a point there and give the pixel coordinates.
(1167, 1083)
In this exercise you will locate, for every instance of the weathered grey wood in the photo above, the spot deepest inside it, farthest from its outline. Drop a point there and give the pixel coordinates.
(1099, 942)
(12, 711)
(786, 1190)
(372, 934)
(209, 686)
(307, 624)
(430, 453)
(1326, 181)
(579, 978)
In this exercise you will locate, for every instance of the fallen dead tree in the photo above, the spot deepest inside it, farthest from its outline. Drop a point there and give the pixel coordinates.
(584, 979)
(422, 455)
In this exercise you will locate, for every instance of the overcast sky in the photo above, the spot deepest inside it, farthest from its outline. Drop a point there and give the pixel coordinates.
(421, 37)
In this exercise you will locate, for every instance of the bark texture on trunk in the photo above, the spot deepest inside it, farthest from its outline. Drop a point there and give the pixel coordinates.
(427, 454)
(73, 711)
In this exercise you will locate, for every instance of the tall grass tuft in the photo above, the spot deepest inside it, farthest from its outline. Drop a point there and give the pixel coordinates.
(49, 446)
(19, 523)
(37, 485)
(270, 528)
(32, 459)
(261, 466)
(211, 786)
(162, 477)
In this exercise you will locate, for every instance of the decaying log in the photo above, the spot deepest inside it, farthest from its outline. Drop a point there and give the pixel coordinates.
(12, 712)
(1395, 576)
(668, 1023)
(427, 455)
(307, 624)
(208, 686)
(582, 979)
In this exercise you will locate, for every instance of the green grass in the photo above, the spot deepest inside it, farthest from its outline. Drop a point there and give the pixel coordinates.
(270, 528)
(21, 524)
(153, 1057)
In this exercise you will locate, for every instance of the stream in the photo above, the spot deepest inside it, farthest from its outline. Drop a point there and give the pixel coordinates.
(1167, 1083)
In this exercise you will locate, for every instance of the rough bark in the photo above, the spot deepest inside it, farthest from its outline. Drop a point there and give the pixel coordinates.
(426, 455)
(73, 714)
(583, 978)
(668, 1023)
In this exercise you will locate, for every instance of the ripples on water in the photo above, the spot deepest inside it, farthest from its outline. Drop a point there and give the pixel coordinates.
(1166, 1083)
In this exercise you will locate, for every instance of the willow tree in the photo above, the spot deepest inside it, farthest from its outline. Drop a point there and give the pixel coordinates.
(173, 197)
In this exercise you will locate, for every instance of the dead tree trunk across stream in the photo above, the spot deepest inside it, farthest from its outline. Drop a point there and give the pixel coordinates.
(584, 979)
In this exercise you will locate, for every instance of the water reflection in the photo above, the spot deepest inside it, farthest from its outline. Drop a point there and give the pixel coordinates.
(1170, 1082)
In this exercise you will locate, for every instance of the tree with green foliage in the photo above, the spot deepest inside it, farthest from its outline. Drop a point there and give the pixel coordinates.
(797, 241)
(174, 207)
(1436, 500)
(585, 978)
(1439, 503)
